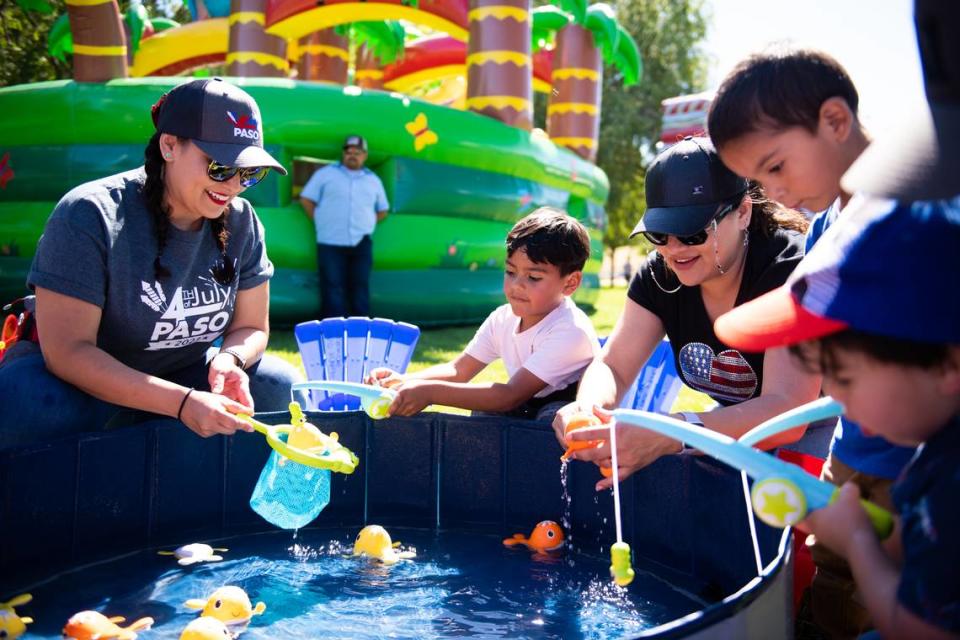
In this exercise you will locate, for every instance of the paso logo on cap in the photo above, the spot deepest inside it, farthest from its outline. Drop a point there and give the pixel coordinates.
(244, 126)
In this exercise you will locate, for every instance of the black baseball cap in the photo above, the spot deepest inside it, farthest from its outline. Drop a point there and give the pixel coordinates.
(686, 185)
(355, 141)
(220, 118)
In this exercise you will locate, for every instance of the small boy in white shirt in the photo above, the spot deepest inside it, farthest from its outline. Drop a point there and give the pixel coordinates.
(544, 340)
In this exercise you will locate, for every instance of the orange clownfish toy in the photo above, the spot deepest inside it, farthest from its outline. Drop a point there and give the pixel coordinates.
(546, 536)
(91, 625)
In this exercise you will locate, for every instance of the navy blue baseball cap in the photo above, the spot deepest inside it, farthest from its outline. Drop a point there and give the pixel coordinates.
(883, 268)
(220, 118)
(686, 187)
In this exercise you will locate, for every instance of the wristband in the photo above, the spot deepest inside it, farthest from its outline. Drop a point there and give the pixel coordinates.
(183, 403)
(241, 361)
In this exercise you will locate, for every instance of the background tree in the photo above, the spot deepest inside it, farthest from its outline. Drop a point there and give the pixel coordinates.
(23, 39)
(669, 34)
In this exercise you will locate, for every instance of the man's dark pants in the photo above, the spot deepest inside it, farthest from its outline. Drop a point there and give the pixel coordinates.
(345, 279)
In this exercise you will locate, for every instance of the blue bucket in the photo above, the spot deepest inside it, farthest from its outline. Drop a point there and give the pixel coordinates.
(288, 494)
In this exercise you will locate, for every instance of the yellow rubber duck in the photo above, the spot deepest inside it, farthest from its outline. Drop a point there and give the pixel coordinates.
(11, 625)
(206, 628)
(374, 541)
(229, 605)
(92, 625)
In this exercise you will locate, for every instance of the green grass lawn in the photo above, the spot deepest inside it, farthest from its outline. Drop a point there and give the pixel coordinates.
(442, 345)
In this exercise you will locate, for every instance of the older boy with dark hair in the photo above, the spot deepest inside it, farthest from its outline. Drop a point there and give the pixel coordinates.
(544, 340)
(788, 119)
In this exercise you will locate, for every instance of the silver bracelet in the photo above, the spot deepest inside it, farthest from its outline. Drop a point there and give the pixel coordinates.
(241, 361)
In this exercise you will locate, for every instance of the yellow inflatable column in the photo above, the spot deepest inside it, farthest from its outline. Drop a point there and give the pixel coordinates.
(499, 66)
(573, 111)
(99, 44)
(323, 56)
(252, 51)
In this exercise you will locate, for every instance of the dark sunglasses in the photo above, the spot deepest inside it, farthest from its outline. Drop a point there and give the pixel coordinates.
(249, 176)
(693, 240)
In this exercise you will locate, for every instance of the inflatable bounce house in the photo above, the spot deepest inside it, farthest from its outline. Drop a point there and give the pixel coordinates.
(685, 116)
(448, 118)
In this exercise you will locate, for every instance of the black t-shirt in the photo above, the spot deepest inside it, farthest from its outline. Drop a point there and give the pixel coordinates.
(706, 364)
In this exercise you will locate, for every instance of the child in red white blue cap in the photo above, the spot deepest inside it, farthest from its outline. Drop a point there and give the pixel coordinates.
(875, 308)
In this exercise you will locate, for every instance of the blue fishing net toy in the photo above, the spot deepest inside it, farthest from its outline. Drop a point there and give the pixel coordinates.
(294, 486)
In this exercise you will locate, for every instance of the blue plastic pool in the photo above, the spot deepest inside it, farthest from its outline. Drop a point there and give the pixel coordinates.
(438, 482)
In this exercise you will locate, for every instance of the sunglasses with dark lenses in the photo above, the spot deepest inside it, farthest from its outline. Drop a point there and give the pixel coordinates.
(249, 176)
(661, 239)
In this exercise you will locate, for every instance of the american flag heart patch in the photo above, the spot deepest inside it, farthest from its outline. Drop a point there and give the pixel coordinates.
(723, 376)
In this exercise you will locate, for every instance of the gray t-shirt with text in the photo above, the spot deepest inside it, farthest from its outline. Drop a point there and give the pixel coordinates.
(99, 246)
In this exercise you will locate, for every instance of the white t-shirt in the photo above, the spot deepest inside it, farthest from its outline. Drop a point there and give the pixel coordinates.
(557, 349)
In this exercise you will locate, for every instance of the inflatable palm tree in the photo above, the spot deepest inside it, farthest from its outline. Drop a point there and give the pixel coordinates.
(324, 56)
(499, 66)
(252, 51)
(585, 38)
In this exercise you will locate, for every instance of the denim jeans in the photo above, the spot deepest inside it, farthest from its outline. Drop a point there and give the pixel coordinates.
(345, 279)
(38, 406)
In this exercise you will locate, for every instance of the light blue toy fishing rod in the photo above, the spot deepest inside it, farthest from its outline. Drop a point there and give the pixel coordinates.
(782, 493)
(375, 400)
(820, 409)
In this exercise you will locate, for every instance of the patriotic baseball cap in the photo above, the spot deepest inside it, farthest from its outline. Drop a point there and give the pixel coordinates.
(883, 268)
(220, 118)
(685, 187)
(355, 141)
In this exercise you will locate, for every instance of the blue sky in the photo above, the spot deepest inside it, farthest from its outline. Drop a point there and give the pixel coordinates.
(873, 39)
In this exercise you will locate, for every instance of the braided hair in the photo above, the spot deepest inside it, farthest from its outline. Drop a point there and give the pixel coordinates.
(153, 193)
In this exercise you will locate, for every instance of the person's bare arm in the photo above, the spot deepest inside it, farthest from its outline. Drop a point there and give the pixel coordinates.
(247, 335)
(463, 368)
(416, 395)
(785, 385)
(605, 381)
(382, 214)
(67, 329)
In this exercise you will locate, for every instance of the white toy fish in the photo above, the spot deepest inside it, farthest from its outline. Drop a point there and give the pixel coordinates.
(195, 552)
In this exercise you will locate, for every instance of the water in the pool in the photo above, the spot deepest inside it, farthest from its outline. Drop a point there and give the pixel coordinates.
(459, 585)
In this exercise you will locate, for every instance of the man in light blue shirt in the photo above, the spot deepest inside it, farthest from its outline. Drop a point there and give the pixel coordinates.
(345, 202)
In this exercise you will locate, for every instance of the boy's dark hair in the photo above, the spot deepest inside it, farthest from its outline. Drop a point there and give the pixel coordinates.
(551, 236)
(820, 356)
(776, 91)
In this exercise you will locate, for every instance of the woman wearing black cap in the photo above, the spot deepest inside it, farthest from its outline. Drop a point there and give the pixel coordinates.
(718, 244)
(137, 274)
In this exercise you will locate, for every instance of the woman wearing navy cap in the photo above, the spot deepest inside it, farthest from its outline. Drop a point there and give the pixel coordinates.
(137, 274)
(718, 244)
